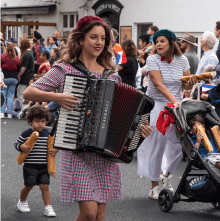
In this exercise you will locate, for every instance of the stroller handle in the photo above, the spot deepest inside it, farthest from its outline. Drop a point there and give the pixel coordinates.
(170, 109)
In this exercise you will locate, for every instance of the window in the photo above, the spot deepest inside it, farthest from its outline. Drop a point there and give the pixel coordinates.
(65, 21)
(141, 29)
(77, 18)
(71, 21)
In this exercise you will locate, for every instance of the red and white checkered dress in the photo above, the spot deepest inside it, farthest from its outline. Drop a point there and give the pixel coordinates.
(84, 176)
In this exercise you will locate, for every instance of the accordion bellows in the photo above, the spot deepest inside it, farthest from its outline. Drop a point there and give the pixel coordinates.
(30, 142)
(205, 141)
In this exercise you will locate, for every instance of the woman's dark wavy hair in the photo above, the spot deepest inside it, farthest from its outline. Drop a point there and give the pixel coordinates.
(129, 48)
(74, 49)
(173, 50)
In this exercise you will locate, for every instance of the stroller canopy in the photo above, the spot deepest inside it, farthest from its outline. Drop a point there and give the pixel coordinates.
(190, 108)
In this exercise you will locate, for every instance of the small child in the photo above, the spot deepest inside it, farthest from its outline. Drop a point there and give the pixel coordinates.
(212, 159)
(151, 32)
(35, 164)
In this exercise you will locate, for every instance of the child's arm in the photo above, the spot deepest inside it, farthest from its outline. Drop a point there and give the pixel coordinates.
(199, 138)
(24, 148)
(20, 144)
(53, 152)
(20, 141)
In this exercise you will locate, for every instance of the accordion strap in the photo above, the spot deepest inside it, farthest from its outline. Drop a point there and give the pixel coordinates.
(82, 68)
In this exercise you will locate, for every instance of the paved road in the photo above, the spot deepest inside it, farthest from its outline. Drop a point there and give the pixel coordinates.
(135, 206)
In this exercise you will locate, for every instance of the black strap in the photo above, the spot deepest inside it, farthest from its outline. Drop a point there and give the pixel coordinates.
(54, 128)
(106, 73)
(82, 68)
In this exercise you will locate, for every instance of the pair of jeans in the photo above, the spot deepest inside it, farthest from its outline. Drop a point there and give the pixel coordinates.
(9, 94)
(20, 91)
(53, 106)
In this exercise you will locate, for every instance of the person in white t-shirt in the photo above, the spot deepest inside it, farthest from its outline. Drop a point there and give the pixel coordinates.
(157, 152)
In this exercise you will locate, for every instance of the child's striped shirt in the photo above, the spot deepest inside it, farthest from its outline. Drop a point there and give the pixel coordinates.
(38, 154)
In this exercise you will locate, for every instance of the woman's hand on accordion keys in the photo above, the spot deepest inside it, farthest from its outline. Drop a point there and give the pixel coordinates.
(67, 101)
(146, 130)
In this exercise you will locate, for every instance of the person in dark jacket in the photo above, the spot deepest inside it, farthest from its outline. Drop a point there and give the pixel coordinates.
(128, 71)
(37, 38)
(26, 70)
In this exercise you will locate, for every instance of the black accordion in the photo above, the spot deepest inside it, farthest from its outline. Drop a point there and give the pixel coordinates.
(106, 122)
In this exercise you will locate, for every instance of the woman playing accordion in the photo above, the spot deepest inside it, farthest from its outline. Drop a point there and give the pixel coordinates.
(86, 178)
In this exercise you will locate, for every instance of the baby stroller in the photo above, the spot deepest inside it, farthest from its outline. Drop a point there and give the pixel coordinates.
(199, 182)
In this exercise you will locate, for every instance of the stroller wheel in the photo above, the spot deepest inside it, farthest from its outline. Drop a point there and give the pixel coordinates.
(216, 205)
(165, 200)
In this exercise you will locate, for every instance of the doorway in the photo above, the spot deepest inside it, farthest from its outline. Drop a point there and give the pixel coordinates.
(113, 19)
(142, 29)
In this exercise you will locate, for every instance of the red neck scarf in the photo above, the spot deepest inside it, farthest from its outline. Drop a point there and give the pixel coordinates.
(163, 59)
(165, 119)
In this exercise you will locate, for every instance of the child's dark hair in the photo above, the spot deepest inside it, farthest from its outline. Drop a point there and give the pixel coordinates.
(154, 28)
(192, 121)
(38, 112)
(46, 53)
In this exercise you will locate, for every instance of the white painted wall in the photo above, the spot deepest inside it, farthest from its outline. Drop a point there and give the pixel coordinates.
(12, 3)
(179, 16)
(195, 16)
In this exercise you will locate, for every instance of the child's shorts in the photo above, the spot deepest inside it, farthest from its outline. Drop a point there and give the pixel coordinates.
(35, 174)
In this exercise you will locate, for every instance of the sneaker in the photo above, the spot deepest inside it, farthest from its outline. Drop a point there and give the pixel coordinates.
(23, 206)
(154, 193)
(2, 115)
(10, 116)
(49, 211)
(166, 182)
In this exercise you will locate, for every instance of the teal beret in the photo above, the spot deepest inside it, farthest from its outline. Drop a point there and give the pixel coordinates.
(164, 32)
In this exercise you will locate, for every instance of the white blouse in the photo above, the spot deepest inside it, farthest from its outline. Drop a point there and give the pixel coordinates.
(171, 74)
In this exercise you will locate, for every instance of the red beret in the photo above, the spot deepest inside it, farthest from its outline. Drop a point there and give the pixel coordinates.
(84, 21)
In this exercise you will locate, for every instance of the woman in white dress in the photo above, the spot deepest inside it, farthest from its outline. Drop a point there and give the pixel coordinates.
(165, 68)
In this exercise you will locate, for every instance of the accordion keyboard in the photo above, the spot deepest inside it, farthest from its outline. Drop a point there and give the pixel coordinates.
(69, 123)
